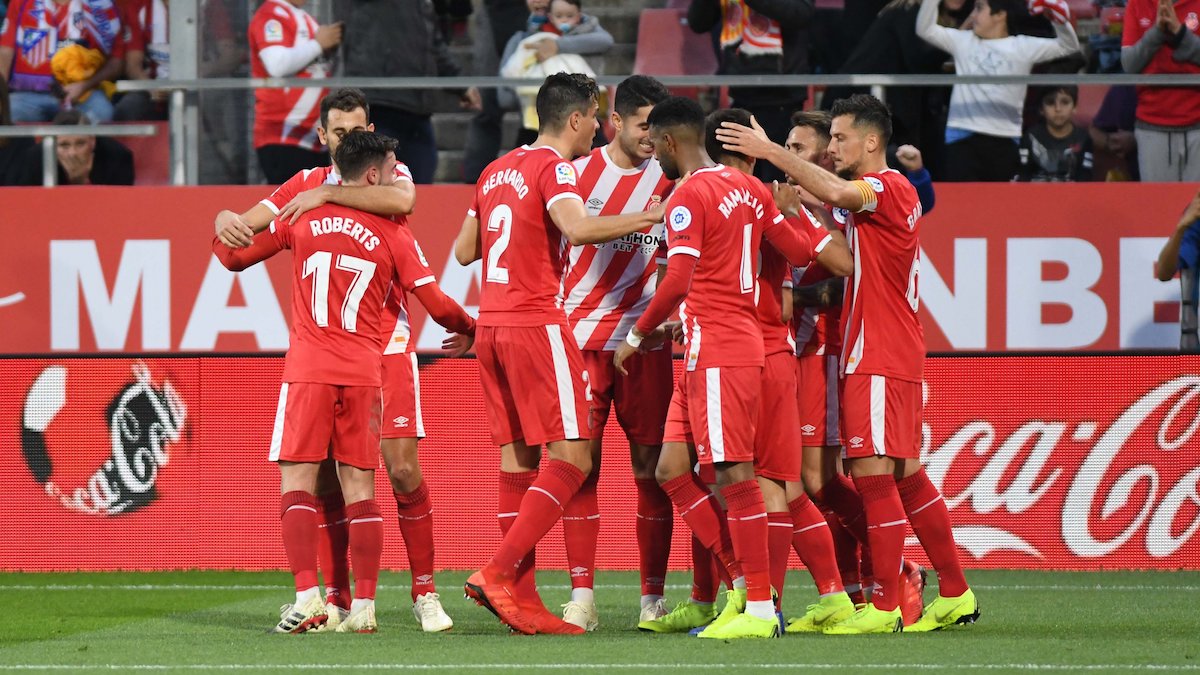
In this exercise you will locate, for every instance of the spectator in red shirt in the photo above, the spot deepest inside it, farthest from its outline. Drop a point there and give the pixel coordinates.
(1167, 130)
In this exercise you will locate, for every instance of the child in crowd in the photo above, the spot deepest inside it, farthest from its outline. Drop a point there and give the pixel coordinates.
(1056, 150)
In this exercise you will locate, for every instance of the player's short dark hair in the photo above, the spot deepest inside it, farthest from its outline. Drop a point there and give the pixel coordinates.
(562, 94)
(677, 112)
(346, 99)
(867, 111)
(1049, 93)
(817, 120)
(638, 91)
(359, 151)
(713, 122)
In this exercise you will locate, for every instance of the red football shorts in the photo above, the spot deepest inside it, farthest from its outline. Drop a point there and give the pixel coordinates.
(716, 409)
(534, 383)
(402, 397)
(776, 443)
(312, 418)
(881, 416)
(641, 397)
(817, 392)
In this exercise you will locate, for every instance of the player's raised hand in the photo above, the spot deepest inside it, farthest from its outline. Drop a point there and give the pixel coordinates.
(303, 203)
(232, 230)
(751, 141)
(787, 199)
(457, 344)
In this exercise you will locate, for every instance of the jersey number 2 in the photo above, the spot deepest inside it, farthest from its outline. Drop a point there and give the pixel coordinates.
(499, 221)
(318, 267)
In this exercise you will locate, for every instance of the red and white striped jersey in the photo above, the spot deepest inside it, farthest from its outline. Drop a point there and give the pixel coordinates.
(879, 313)
(285, 116)
(818, 331)
(397, 340)
(608, 286)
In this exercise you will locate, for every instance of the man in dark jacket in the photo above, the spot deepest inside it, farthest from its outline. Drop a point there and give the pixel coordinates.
(409, 46)
(82, 159)
(760, 37)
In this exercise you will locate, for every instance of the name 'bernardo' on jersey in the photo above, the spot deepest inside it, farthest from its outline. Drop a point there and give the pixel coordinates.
(347, 226)
(737, 197)
(507, 177)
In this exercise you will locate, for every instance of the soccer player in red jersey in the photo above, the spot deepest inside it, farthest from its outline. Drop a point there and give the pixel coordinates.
(285, 41)
(342, 112)
(330, 403)
(791, 518)
(883, 353)
(526, 210)
(716, 219)
(606, 288)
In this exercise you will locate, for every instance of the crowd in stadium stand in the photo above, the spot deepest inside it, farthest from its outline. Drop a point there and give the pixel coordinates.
(65, 54)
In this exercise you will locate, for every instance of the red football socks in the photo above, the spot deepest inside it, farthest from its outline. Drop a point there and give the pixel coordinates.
(513, 487)
(931, 523)
(581, 528)
(886, 529)
(842, 497)
(699, 509)
(416, 526)
(556, 484)
(705, 582)
(779, 547)
(654, 524)
(747, 516)
(366, 546)
(814, 544)
(298, 521)
(333, 548)
(845, 549)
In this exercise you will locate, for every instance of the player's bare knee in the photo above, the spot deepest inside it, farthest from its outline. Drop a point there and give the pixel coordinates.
(404, 476)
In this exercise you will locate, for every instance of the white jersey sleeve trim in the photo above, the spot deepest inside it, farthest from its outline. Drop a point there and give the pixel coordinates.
(471, 213)
(423, 281)
(563, 195)
(270, 205)
(685, 250)
(824, 242)
(778, 219)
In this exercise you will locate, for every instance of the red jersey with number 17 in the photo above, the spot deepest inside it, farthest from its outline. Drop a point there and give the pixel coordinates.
(879, 312)
(719, 216)
(524, 253)
(344, 261)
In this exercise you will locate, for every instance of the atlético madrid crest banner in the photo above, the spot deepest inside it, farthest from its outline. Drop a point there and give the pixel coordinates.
(1073, 462)
(1004, 267)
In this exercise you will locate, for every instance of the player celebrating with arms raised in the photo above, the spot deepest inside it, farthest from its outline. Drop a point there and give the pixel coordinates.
(533, 375)
(883, 354)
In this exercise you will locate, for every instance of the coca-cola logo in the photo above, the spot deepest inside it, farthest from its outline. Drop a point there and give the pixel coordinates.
(1135, 480)
(142, 420)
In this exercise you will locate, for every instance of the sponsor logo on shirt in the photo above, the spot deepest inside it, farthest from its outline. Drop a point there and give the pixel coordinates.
(680, 218)
(595, 204)
(841, 215)
(875, 183)
(273, 31)
(564, 173)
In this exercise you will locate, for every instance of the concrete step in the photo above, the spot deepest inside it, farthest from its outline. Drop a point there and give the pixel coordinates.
(449, 168)
(450, 129)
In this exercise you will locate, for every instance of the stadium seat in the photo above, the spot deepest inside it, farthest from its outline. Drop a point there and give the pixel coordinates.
(666, 46)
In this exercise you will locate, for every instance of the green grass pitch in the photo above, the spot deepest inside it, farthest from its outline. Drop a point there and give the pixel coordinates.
(216, 621)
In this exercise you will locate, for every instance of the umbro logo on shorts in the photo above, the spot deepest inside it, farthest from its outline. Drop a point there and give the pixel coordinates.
(400, 422)
(856, 442)
(808, 429)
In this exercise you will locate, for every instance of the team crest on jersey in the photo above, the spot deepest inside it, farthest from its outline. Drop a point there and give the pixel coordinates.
(840, 215)
(273, 31)
(564, 173)
(875, 183)
(680, 218)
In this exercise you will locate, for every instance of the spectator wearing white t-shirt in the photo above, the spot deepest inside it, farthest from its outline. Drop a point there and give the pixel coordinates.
(983, 129)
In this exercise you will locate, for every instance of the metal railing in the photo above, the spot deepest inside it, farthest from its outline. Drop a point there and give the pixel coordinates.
(184, 101)
(50, 132)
